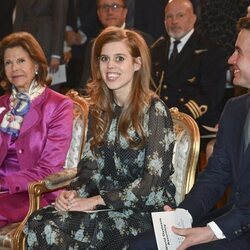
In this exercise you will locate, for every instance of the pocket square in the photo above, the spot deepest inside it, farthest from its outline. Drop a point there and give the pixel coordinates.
(2, 109)
(198, 51)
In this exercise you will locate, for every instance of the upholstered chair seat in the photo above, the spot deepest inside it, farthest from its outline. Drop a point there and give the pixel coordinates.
(186, 152)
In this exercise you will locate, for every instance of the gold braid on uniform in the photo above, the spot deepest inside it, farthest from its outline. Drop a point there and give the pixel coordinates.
(195, 109)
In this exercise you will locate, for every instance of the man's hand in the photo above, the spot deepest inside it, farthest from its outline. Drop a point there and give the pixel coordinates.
(167, 208)
(194, 236)
(54, 65)
(70, 37)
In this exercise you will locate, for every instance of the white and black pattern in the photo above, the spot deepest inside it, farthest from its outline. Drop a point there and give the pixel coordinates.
(132, 182)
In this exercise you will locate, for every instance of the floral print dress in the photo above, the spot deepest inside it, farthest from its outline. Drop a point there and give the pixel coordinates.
(132, 182)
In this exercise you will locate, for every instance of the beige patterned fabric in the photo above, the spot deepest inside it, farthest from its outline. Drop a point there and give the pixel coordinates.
(180, 161)
(75, 149)
(186, 152)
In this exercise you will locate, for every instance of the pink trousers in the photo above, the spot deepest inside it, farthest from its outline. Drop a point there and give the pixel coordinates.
(14, 207)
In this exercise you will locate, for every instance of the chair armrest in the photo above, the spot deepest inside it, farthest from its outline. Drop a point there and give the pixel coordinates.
(60, 179)
(49, 184)
(36, 189)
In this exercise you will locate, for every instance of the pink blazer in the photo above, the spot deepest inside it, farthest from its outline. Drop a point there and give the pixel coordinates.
(44, 139)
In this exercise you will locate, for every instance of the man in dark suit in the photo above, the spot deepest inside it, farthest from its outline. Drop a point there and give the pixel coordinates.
(6, 17)
(195, 80)
(82, 26)
(227, 227)
(110, 13)
(45, 20)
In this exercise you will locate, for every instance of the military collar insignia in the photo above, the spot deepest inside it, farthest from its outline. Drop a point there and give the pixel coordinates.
(198, 51)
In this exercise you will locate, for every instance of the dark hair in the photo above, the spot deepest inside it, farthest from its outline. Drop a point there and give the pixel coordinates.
(243, 23)
(32, 47)
(102, 98)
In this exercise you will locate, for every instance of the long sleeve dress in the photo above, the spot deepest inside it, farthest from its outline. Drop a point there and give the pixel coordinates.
(132, 182)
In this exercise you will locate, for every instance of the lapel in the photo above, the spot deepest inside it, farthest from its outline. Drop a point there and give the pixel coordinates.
(243, 153)
(34, 114)
(183, 57)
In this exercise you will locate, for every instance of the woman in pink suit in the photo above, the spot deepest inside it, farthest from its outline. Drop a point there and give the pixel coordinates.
(35, 124)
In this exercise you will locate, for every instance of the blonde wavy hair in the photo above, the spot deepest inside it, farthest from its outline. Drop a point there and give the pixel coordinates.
(101, 98)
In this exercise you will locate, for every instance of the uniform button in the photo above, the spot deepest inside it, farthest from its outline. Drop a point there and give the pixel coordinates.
(165, 98)
(165, 86)
(181, 99)
(20, 151)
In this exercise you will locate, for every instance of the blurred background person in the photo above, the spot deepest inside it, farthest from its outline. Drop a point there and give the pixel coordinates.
(6, 21)
(110, 13)
(82, 26)
(46, 21)
(149, 17)
(6, 17)
(189, 70)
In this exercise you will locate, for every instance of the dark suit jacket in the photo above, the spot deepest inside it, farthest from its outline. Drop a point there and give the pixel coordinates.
(228, 165)
(87, 58)
(149, 16)
(6, 12)
(45, 20)
(196, 82)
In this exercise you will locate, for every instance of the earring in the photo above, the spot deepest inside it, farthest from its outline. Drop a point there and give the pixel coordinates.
(36, 73)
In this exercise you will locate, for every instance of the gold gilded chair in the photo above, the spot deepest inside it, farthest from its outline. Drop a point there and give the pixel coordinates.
(186, 152)
(11, 236)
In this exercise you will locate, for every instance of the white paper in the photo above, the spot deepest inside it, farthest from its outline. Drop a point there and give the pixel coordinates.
(163, 222)
(59, 76)
(98, 210)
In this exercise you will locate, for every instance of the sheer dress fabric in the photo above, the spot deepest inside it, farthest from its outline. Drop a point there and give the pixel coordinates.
(132, 182)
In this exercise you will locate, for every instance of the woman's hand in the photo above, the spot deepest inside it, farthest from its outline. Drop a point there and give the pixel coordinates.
(63, 200)
(85, 204)
(68, 201)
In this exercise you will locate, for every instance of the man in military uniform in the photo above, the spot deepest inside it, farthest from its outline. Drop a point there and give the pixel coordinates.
(189, 71)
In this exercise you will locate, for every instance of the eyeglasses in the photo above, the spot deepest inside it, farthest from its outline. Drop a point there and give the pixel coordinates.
(114, 7)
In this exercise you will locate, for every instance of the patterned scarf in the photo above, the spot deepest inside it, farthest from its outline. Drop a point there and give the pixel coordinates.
(19, 107)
